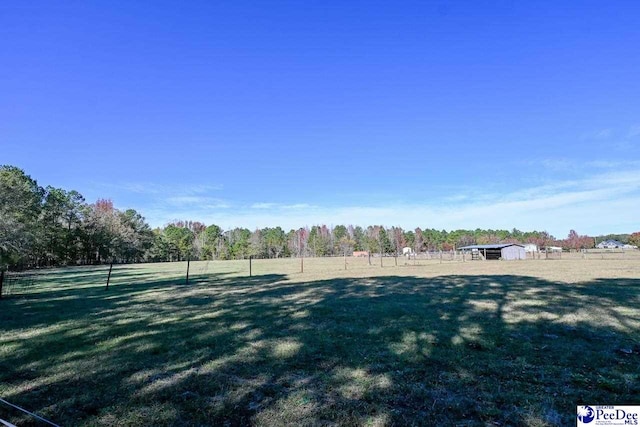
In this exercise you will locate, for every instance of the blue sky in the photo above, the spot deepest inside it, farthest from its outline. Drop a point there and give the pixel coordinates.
(490, 114)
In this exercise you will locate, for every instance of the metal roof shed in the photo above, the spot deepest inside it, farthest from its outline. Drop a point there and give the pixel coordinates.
(506, 251)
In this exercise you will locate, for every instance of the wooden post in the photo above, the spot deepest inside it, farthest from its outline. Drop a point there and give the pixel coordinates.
(369, 253)
(1, 280)
(188, 261)
(440, 257)
(345, 260)
(109, 276)
(302, 264)
(485, 254)
(396, 259)
(250, 265)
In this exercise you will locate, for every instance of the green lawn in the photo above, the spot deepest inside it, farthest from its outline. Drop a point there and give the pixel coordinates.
(395, 346)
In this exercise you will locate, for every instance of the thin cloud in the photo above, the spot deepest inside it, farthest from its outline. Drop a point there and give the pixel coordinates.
(209, 202)
(600, 134)
(558, 165)
(634, 131)
(263, 205)
(298, 206)
(154, 189)
(598, 203)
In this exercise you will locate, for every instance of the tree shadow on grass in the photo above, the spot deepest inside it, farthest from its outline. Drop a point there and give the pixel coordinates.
(396, 350)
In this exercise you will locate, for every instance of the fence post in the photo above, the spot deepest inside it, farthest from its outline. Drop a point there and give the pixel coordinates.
(109, 276)
(302, 264)
(440, 257)
(188, 261)
(250, 265)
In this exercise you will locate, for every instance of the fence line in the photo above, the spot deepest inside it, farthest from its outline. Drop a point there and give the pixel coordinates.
(15, 283)
(29, 413)
(26, 283)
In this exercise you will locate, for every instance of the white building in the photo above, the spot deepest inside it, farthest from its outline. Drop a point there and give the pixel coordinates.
(610, 244)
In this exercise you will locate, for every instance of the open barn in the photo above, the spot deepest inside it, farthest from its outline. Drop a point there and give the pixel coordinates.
(505, 251)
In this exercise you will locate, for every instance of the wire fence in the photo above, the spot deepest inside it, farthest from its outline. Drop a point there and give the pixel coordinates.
(17, 284)
(609, 254)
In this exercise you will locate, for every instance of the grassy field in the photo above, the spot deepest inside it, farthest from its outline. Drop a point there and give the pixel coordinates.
(474, 343)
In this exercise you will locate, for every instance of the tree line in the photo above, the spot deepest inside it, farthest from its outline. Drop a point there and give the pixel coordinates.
(47, 226)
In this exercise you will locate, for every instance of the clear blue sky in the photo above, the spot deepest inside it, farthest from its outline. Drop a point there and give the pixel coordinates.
(449, 115)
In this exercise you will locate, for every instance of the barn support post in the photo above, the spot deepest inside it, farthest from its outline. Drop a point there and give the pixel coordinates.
(485, 254)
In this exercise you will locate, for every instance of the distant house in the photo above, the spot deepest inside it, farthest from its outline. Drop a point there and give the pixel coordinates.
(407, 251)
(361, 253)
(530, 247)
(610, 244)
(505, 251)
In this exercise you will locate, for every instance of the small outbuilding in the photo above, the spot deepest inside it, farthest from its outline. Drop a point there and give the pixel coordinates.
(505, 251)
